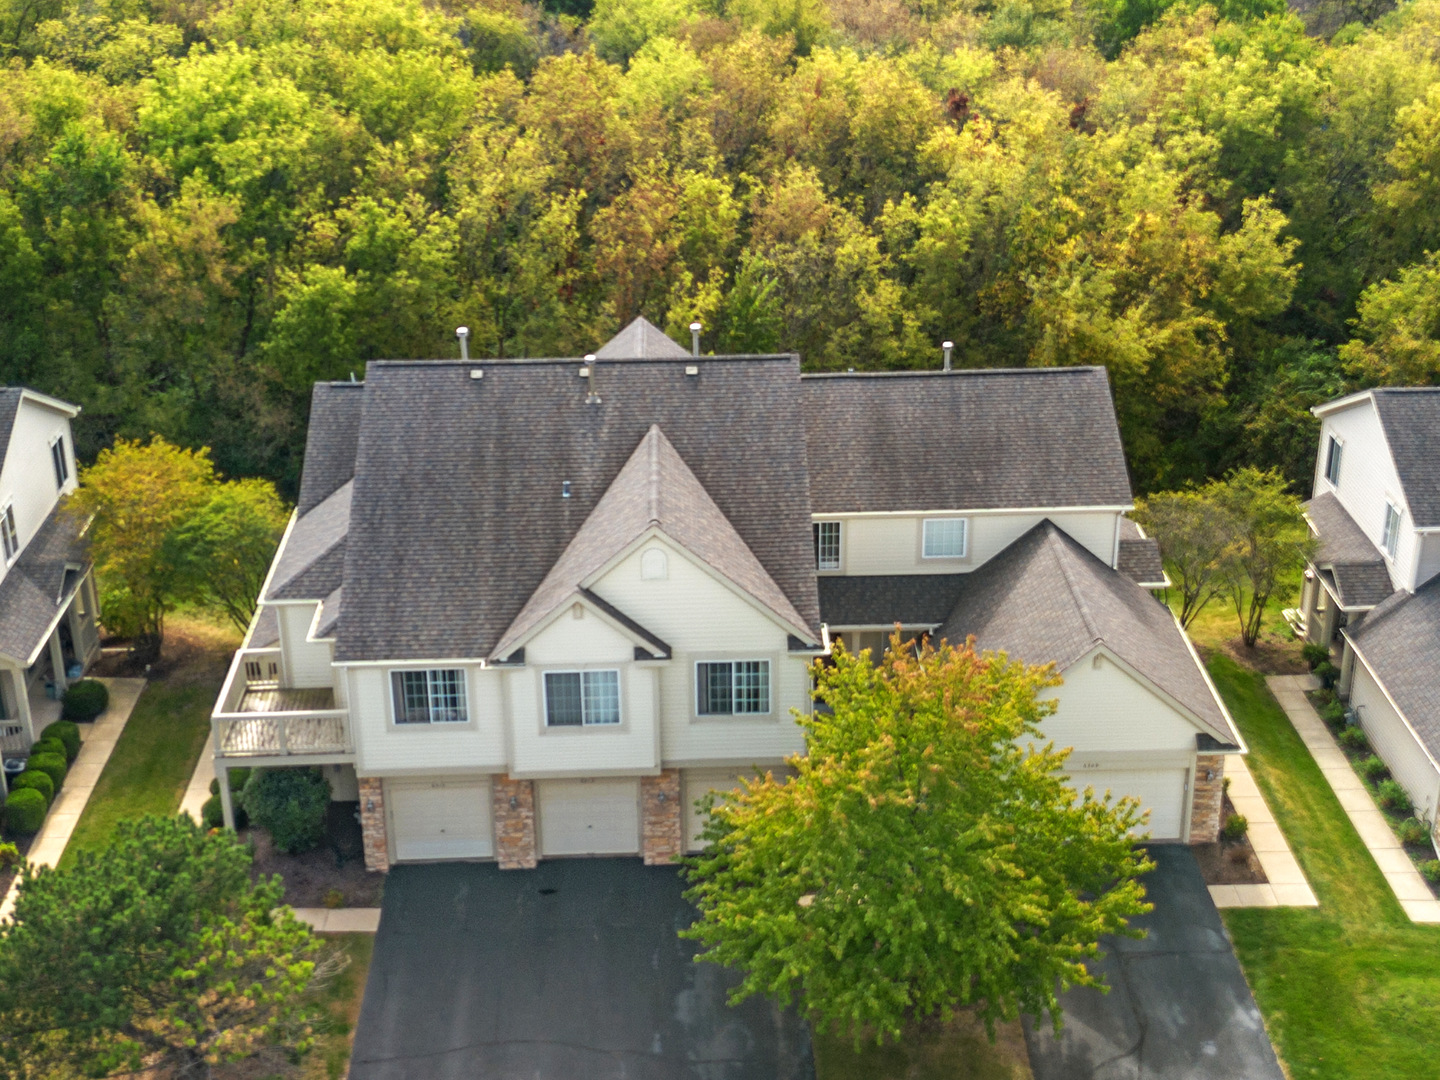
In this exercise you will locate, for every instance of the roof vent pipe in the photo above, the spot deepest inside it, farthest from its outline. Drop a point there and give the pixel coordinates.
(947, 346)
(592, 398)
(463, 333)
(694, 339)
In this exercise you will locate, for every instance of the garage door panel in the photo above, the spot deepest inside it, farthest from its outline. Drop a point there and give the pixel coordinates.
(441, 819)
(698, 782)
(589, 817)
(1161, 791)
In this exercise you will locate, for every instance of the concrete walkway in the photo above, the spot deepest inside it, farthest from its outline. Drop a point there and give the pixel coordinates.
(1409, 887)
(1286, 886)
(97, 742)
(198, 792)
(353, 920)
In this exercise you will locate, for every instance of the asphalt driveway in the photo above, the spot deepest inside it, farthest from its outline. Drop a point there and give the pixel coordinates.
(571, 971)
(1179, 1007)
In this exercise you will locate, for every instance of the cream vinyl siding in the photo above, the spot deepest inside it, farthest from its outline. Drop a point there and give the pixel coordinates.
(444, 818)
(892, 544)
(1103, 709)
(696, 783)
(306, 663)
(28, 477)
(588, 817)
(1368, 481)
(1163, 792)
(1393, 741)
(385, 749)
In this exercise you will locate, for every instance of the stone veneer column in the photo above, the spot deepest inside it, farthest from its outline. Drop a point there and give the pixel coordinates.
(1206, 798)
(372, 824)
(514, 811)
(662, 828)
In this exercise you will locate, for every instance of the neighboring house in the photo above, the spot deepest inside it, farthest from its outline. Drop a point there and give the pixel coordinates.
(534, 608)
(1374, 583)
(47, 590)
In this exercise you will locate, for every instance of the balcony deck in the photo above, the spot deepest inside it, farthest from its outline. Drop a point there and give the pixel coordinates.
(273, 699)
(270, 736)
(258, 718)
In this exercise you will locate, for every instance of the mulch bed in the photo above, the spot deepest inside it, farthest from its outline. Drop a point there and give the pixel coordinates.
(338, 864)
(1229, 862)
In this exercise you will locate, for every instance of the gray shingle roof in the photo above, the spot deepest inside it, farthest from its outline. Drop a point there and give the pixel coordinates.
(335, 409)
(1358, 573)
(265, 631)
(1410, 417)
(641, 340)
(40, 583)
(9, 406)
(1400, 640)
(458, 515)
(311, 565)
(882, 600)
(1047, 599)
(1031, 437)
(1138, 556)
(330, 609)
(655, 489)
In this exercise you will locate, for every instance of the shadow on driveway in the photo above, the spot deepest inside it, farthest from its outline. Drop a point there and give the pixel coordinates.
(1178, 1008)
(571, 971)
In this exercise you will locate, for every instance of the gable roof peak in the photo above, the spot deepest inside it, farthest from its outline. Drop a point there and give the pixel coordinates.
(641, 340)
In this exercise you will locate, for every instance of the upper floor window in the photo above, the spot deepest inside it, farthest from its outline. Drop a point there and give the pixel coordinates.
(430, 697)
(1332, 461)
(827, 545)
(8, 535)
(944, 538)
(1392, 530)
(57, 457)
(582, 698)
(732, 687)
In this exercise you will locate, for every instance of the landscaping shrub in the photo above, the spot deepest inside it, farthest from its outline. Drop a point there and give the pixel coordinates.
(9, 856)
(1353, 738)
(85, 700)
(212, 814)
(25, 811)
(1412, 831)
(333, 899)
(1430, 870)
(67, 734)
(1392, 796)
(1334, 715)
(34, 778)
(1235, 827)
(1374, 768)
(1314, 654)
(53, 765)
(290, 805)
(49, 746)
(1327, 673)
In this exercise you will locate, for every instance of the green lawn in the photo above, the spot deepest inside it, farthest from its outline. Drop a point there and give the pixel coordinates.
(1351, 989)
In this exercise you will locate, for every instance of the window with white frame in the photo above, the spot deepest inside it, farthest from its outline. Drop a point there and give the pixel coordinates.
(61, 463)
(1392, 530)
(1332, 461)
(9, 537)
(827, 545)
(582, 698)
(943, 538)
(430, 697)
(732, 687)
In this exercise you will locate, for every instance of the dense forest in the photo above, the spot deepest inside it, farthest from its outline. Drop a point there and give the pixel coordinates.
(205, 205)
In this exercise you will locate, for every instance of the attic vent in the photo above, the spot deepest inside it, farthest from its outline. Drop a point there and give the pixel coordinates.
(565, 489)
(653, 565)
(692, 369)
(476, 373)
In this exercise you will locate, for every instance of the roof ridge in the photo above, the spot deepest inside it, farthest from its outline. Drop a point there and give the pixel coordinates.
(1068, 369)
(654, 435)
(1086, 616)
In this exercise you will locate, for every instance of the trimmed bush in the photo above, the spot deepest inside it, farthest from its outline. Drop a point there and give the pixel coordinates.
(1374, 768)
(212, 814)
(290, 805)
(9, 856)
(1235, 827)
(1314, 654)
(1334, 715)
(1430, 870)
(68, 734)
(1392, 796)
(1353, 738)
(85, 700)
(1412, 831)
(49, 746)
(34, 778)
(25, 811)
(1327, 673)
(52, 765)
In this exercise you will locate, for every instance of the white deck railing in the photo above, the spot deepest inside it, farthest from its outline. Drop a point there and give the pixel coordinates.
(273, 722)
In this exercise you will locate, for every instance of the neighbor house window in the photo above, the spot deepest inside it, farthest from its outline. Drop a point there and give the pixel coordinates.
(57, 457)
(430, 697)
(944, 538)
(732, 687)
(1392, 529)
(827, 545)
(1332, 461)
(582, 698)
(8, 536)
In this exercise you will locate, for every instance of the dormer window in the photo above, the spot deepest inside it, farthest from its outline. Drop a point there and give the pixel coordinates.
(58, 459)
(732, 688)
(944, 538)
(582, 698)
(1332, 461)
(1392, 530)
(827, 545)
(9, 537)
(430, 697)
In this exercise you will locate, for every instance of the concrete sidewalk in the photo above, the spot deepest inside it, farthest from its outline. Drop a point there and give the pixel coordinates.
(1286, 886)
(98, 741)
(1409, 887)
(354, 920)
(198, 792)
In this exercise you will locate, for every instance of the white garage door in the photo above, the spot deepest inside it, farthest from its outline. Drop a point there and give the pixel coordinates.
(589, 817)
(699, 781)
(1161, 791)
(440, 819)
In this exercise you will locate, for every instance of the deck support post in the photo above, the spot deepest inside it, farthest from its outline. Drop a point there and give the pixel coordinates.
(227, 805)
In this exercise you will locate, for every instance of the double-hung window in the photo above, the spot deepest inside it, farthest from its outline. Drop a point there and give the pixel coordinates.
(582, 698)
(943, 538)
(58, 459)
(9, 537)
(430, 697)
(1332, 461)
(732, 687)
(1392, 530)
(827, 545)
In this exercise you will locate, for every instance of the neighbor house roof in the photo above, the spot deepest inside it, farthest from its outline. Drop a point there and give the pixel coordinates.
(641, 340)
(9, 407)
(40, 583)
(1138, 556)
(913, 600)
(1411, 419)
(311, 562)
(1400, 641)
(997, 439)
(330, 439)
(654, 490)
(1356, 570)
(1047, 599)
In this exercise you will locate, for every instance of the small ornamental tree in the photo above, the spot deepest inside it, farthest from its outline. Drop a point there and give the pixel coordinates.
(1192, 533)
(1269, 542)
(157, 952)
(927, 856)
